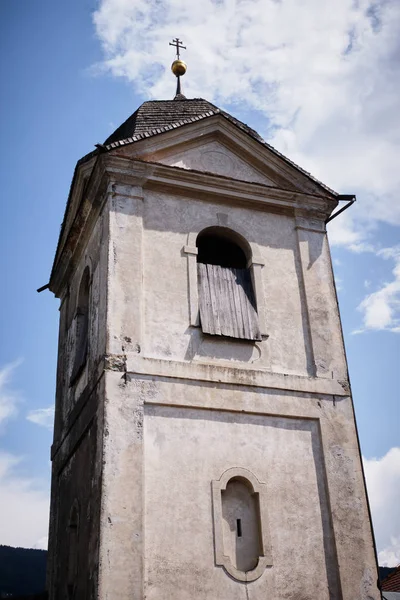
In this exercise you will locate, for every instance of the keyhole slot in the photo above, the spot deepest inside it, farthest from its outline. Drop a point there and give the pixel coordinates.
(239, 527)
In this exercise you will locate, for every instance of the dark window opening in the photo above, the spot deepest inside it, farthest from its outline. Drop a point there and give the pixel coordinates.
(81, 326)
(218, 249)
(72, 566)
(239, 527)
(226, 296)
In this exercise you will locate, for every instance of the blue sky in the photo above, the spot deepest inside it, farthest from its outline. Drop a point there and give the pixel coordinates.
(72, 72)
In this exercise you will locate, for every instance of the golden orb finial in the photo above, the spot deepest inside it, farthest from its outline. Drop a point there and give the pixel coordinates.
(178, 67)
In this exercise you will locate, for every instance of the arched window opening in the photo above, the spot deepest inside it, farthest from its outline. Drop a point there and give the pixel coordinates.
(226, 295)
(81, 326)
(217, 248)
(72, 565)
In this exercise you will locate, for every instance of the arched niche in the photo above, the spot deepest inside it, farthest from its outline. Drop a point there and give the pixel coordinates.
(241, 536)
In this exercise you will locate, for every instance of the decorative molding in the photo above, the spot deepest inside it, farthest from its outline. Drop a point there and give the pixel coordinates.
(190, 250)
(310, 219)
(212, 371)
(256, 488)
(264, 159)
(107, 171)
(310, 229)
(216, 161)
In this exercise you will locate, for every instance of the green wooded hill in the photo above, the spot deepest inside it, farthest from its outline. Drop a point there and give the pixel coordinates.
(22, 571)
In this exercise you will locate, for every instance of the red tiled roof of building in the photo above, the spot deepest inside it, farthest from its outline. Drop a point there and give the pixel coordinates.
(392, 582)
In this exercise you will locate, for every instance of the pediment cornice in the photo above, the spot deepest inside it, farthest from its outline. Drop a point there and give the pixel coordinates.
(110, 172)
(260, 155)
(199, 184)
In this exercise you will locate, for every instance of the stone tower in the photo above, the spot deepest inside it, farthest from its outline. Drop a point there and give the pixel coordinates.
(205, 445)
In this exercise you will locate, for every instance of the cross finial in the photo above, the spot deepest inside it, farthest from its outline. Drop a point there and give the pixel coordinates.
(177, 43)
(178, 68)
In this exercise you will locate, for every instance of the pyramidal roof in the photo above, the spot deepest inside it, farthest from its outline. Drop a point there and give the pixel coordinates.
(158, 116)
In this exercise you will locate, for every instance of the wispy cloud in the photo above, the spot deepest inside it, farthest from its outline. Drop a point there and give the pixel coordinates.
(383, 483)
(24, 505)
(331, 96)
(24, 501)
(8, 397)
(42, 416)
(381, 308)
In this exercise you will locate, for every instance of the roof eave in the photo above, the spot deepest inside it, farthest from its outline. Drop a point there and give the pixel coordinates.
(241, 126)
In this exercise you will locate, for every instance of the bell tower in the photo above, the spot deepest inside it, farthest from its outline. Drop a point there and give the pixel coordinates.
(205, 444)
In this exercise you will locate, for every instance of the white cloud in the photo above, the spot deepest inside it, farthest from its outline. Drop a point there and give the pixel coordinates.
(42, 416)
(390, 556)
(24, 500)
(381, 309)
(24, 505)
(8, 398)
(331, 95)
(339, 284)
(383, 483)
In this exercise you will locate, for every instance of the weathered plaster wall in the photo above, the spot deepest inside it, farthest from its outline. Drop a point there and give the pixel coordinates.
(283, 453)
(78, 435)
(175, 408)
(79, 482)
(95, 257)
(178, 426)
(149, 295)
(175, 437)
(76, 480)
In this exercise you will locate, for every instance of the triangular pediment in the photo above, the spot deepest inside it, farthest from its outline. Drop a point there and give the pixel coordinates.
(214, 145)
(216, 158)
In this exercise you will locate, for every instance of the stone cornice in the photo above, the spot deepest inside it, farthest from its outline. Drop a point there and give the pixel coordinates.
(260, 154)
(226, 190)
(84, 206)
(110, 171)
(213, 372)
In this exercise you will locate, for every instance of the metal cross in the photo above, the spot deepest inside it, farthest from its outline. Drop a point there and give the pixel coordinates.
(177, 43)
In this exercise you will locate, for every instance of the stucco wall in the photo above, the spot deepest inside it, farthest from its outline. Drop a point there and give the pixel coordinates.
(95, 257)
(178, 408)
(185, 449)
(78, 433)
(174, 438)
(180, 426)
(149, 273)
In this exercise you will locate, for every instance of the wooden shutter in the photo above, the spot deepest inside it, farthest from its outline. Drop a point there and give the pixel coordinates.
(227, 304)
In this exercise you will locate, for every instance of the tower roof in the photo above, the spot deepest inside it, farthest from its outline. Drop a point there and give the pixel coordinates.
(158, 116)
